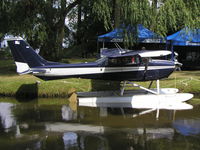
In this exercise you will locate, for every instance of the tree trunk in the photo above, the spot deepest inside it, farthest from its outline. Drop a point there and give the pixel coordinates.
(154, 4)
(52, 47)
(116, 13)
(79, 25)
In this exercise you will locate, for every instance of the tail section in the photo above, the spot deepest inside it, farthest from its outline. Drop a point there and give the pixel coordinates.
(24, 55)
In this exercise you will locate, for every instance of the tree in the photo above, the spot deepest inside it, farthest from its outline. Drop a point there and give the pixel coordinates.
(177, 14)
(87, 28)
(116, 12)
(54, 14)
(42, 22)
(5, 6)
(171, 16)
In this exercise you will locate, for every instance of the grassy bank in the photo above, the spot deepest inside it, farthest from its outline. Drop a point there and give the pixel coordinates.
(12, 84)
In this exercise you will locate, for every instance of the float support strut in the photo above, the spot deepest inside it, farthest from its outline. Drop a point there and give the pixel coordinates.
(141, 87)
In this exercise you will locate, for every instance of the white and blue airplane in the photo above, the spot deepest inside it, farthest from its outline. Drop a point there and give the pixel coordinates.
(118, 65)
(123, 66)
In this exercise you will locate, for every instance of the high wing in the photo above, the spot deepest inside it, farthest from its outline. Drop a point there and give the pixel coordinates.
(135, 57)
(157, 53)
(142, 53)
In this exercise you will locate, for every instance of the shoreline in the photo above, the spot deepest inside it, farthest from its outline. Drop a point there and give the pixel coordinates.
(28, 86)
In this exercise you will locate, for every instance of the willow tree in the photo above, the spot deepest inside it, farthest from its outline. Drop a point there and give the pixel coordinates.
(171, 16)
(177, 14)
(42, 22)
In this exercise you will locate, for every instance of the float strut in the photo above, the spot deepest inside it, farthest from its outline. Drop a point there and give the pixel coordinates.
(150, 85)
(123, 88)
(158, 86)
(157, 113)
(141, 87)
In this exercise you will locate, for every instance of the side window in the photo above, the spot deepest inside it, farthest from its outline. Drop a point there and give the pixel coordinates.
(132, 60)
(113, 62)
(146, 60)
(122, 61)
(135, 60)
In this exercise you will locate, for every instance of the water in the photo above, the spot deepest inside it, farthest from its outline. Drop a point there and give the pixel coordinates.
(56, 124)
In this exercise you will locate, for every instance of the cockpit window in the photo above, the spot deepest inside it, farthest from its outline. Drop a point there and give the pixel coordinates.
(102, 61)
(128, 60)
(146, 60)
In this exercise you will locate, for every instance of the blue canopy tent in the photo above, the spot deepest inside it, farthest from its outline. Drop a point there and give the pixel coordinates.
(184, 37)
(144, 35)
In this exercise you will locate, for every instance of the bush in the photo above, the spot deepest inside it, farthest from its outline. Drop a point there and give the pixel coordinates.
(5, 53)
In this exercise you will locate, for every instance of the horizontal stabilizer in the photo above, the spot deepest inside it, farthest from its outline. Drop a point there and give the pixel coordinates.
(22, 68)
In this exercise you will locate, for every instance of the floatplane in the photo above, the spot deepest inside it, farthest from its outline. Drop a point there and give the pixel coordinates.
(125, 65)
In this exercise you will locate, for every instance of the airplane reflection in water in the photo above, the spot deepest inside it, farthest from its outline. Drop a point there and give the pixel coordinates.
(79, 127)
(137, 101)
(77, 134)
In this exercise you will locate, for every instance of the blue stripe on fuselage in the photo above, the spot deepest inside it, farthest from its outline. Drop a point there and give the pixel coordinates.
(78, 65)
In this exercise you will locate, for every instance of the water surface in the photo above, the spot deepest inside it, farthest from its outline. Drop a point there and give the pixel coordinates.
(49, 124)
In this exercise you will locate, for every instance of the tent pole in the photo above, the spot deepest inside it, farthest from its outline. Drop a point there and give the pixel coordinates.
(166, 45)
(98, 50)
(172, 50)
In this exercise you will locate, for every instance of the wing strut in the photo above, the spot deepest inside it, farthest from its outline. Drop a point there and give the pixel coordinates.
(125, 83)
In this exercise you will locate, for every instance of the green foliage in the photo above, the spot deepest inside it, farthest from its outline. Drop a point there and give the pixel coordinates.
(5, 53)
(171, 16)
(42, 22)
(135, 12)
(193, 7)
(103, 11)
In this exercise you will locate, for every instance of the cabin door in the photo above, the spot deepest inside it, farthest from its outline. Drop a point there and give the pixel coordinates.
(149, 72)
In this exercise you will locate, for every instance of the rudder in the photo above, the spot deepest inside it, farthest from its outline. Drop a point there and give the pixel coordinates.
(24, 55)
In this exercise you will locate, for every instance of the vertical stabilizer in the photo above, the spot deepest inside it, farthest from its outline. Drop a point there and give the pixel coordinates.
(24, 55)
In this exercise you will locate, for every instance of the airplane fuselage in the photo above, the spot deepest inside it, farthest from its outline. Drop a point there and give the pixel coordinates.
(122, 66)
(156, 69)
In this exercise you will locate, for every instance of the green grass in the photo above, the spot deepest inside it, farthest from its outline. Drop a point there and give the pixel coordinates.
(26, 85)
(185, 81)
(12, 84)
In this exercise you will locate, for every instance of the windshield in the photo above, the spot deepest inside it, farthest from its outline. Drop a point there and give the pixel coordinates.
(101, 60)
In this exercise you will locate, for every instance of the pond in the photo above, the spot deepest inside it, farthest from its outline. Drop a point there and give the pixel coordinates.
(49, 124)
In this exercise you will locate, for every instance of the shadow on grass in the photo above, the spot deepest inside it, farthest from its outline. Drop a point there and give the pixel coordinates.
(102, 85)
(27, 92)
